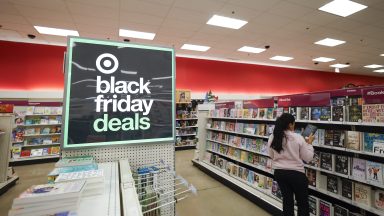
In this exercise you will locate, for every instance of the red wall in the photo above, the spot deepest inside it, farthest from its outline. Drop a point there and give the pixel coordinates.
(26, 66)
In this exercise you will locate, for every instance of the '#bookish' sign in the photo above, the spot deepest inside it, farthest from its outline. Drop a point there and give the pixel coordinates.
(117, 93)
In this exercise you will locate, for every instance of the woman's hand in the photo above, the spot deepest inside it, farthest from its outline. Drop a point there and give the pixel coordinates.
(310, 139)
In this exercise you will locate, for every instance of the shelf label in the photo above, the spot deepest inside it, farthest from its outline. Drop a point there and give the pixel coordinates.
(228, 105)
(346, 92)
(312, 100)
(373, 95)
(260, 103)
(118, 93)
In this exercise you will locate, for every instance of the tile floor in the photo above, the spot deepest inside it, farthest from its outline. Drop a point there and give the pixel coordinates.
(213, 197)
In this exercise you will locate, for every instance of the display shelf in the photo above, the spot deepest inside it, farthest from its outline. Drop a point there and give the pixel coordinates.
(34, 158)
(186, 119)
(18, 142)
(35, 135)
(130, 201)
(39, 125)
(185, 147)
(29, 146)
(329, 147)
(195, 126)
(350, 177)
(350, 150)
(246, 119)
(183, 135)
(43, 114)
(4, 186)
(107, 203)
(246, 163)
(326, 171)
(351, 202)
(234, 132)
(261, 198)
(248, 150)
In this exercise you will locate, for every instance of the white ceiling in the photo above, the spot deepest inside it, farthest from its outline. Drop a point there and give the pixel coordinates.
(290, 27)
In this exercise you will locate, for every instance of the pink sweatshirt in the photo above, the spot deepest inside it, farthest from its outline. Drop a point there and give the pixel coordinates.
(295, 150)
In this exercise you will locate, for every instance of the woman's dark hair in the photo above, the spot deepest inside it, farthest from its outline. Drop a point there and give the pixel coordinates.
(281, 125)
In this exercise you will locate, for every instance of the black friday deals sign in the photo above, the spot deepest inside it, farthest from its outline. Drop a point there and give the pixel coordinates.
(117, 93)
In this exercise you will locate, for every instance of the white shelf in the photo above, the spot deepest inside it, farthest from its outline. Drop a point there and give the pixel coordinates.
(246, 163)
(43, 114)
(184, 146)
(234, 132)
(33, 158)
(40, 145)
(339, 197)
(330, 147)
(107, 203)
(186, 127)
(39, 125)
(247, 119)
(186, 135)
(260, 193)
(130, 200)
(9, 181)
(35, 135)
(248, 150)
(372, 183)
(350, 150)
(186, 119)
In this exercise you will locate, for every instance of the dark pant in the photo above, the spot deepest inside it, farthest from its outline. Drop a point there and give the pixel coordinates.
(293, 183)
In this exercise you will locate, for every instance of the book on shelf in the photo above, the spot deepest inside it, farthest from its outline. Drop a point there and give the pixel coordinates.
(228, 167)
(55, 150)
(328, 138)
(270, 129)
(270, 113)
(45, 130)
(261, 129)
(38, 110)
(36, 152)
(354, 113)
(44, 120)
(221, 163)
(370, 138)
(325, 208)
(46, 151)
(338, 113)
(326, 161)
(57, 171)
(293, 111)
(363, 194)
(342, 164)
(340, 211)
(347, 189)
(235, 170)
(325, 114)
(373, 113)
(313, 205)
(321, 133)
(339, 101)
(276, 190)
(250, 177)
(374, 172)
(338, 138)
(359, 169)
(25, 153)
(316, 159)
(279, 111)
(315, 113)
(378, 147)
(245, 174)
(353, 140)
(311, 175)
(332, 184)
(262, 113)
(18, 134)
(309, 129)
(303, 113)
(379, 199)
(16, 150)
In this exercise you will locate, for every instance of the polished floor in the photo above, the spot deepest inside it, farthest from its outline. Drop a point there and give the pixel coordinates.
(213, 198)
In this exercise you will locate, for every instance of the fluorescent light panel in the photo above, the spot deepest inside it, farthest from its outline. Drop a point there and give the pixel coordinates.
(251, 49)
(379, 71)
(195, 47)
(373, 66)
(342, 8)
(323, 59)
(381, 54)
(136, 34)
(226, 22)
(281, 58)
(329, 42)
(56, 31)
(339, 65)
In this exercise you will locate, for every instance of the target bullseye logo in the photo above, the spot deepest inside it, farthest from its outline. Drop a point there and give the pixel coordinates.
(107, 63)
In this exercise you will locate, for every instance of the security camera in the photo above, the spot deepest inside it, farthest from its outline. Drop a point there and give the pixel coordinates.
(127, 40)
(31, 36)
(267, 47)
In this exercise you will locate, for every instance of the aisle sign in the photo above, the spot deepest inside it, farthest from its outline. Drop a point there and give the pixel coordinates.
(117, 93)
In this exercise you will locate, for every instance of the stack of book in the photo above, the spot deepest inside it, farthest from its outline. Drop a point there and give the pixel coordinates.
(48, 199)
(72, 164)
(94, 179)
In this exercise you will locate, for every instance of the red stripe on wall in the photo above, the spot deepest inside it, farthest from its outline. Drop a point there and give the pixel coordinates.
(25, 66)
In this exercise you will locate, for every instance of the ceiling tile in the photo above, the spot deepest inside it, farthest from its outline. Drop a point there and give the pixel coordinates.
(35, 12)
(140, 18)
(92, 10)
(205, 6)
(102, 3)
(57, 5)
(8, 8)
(145, 7)
(256, 4)
(293, 11)
(12, 18)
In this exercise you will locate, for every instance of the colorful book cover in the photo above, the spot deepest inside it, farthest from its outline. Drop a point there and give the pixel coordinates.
(235, 170)
(47, 111)
(338, 138)
(16, 150)
(241, 171)
(363, 194)
(245, 174)
(45, 130)
(374, 172)
(325, 208)
(55, 150)
(315, 113)
(262, 113)
(276, 190)
(269, 113)
(29, 131)
(244, 156)
(30, 110)
(36, 152)
(328, 137)
(379, 199)
(342, 164)
(279, 111)
(255, 112)
(326, 161)
(378, 147)
(304, 113)
(358, 168)
(38, 110)
(25, 153)
(353, 140)
(311, 175)
(46, 151)
(338, 113)
(250, 177)
(261, 129)
(44, 120)
(340, 211)
(313, 201)
(332, 184)
(347, 188)
(355, 113)
(262, 181)
(370, 138)
(316, 159)
(325, 114)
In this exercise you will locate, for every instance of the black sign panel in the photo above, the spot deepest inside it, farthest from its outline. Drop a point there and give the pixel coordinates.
(117, 93)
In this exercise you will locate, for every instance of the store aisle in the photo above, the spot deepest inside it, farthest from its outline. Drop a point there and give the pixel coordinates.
(213, 197)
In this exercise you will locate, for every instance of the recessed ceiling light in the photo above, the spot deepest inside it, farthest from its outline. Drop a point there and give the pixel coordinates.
(339, 65)
(56, 31)
(382, 55)
(195, 47)
(379, 71)
(226, 22)
(329, 42)
(251, 49)
(136, 34)
(373, 66)
(342, 8)
(281, 58)
(323, 59)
